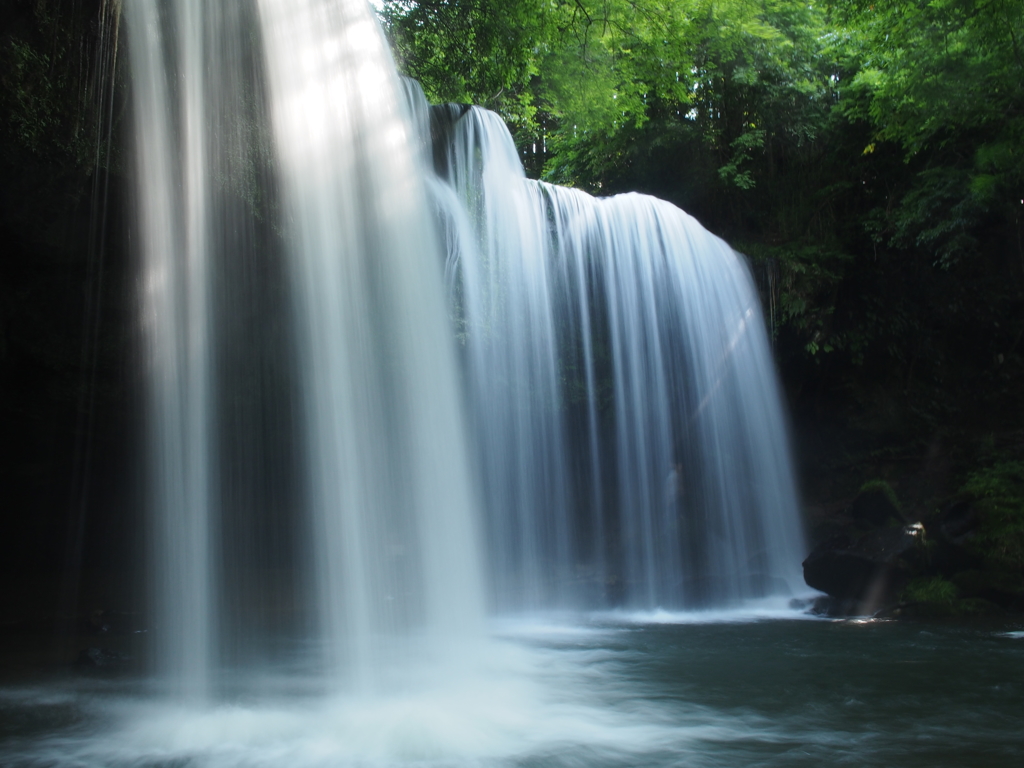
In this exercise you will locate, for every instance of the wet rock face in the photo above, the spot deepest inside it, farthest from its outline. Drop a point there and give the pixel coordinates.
(103, 621)
(848, 575)
(957, 523)
(103, 657)
(868, 574)
(922, 570)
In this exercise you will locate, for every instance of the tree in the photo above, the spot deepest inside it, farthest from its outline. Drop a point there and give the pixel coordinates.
(469, 51)
(944, 81)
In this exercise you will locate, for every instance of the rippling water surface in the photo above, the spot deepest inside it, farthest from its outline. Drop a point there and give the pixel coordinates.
(750, 689)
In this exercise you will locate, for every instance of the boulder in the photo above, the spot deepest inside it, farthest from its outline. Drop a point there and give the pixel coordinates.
(868, 574)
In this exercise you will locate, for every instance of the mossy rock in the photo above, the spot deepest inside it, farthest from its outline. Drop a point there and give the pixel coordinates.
(936, 597)
(931, 591)
(867, 574)
(876, 503)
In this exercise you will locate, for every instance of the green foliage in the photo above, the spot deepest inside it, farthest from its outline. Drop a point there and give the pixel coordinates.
(741, 78)
(942, 80)
(56, 86)
(998, 493)
(469, 51)
(47, 88)
(804, 292)
(933, 590)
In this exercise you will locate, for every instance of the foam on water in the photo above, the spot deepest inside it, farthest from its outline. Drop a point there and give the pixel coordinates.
(556, 626)
(789, 694)
(508, 701)
(762, 609)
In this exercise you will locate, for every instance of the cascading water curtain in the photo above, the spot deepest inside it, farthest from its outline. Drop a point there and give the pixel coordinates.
(630, 448)
(509, 309)
(173, 188)
(633, 447)
(200, 157)
(304, 92)
(394, 519)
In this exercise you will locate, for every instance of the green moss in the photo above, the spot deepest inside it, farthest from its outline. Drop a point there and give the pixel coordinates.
(1003, 480)
(933, 591)
(883, 487)
(936, 597)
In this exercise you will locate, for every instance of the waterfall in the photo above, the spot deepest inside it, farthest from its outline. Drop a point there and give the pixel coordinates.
(390, 491)
(625, 403)
(385, 398)
(174, 181)
(388, 538)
